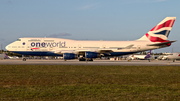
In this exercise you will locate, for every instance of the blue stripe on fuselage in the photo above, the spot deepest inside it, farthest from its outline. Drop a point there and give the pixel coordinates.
(53, 54)
(36, 53)
(118, 53)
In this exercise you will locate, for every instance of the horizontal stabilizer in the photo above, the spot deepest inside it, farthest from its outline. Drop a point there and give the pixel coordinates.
(159, 44)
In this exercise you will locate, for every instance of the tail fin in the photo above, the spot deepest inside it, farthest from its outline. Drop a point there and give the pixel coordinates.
(6, 57)
(148, 55)
(161, 31)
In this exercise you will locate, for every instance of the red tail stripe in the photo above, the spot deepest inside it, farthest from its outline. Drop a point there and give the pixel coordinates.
(153, 29)
(165, 24)
(155, 39)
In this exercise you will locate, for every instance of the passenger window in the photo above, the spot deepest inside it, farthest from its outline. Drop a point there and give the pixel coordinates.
(14, 47)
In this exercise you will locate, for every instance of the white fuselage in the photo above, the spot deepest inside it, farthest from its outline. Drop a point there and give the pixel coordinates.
(133, 57)
(174, 56)
(36, 46)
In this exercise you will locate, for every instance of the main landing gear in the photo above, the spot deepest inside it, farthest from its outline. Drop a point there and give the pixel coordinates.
(24, 59)
(85, 59)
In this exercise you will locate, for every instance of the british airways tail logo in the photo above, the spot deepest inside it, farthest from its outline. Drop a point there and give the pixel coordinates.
(162, 29)
(48, 44)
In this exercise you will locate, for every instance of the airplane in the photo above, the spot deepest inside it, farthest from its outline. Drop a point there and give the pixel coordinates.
(141, 57)
(88, 50)
(3, 56)
(174, 56)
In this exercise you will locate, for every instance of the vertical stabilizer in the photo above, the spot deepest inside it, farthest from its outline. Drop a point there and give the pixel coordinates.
(148, 55)
(160, 32)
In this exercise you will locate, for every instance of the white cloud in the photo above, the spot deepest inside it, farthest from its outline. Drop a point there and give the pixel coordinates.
(9, 2)
(88, 7)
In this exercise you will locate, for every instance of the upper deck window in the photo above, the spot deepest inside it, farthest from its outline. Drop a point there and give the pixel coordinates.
(34, 40)
(18, 39)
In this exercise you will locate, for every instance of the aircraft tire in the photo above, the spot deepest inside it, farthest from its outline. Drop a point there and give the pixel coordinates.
(82, 59)
(24, 59)
(90, 59)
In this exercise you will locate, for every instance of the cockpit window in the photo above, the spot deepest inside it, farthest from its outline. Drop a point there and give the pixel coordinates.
(18, 39)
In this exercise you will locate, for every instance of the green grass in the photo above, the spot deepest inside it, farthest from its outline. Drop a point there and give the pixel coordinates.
(63, 82)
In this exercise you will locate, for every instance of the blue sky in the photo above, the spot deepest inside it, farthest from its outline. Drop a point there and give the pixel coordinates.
(86, 19)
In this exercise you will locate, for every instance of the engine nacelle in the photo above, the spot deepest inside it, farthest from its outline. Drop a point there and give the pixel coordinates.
(68, 56)
(91, 55)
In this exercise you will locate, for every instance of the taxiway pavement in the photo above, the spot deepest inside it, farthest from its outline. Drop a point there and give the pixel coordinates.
(95, 62)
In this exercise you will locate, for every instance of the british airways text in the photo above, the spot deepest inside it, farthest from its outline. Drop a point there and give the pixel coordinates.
(48, 44)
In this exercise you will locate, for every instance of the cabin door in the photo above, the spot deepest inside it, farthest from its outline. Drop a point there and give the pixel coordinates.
(28, 47)
(138, 47)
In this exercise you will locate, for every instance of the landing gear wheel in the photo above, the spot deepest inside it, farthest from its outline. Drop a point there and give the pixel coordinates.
(90, 59)
(82, 59)
(24, 59)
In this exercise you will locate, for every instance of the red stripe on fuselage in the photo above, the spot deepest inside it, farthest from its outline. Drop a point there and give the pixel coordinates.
(35, 48)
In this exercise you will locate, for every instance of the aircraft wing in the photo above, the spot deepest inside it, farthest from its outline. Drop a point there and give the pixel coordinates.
(159, 44)
(82, 51)
(98, 51)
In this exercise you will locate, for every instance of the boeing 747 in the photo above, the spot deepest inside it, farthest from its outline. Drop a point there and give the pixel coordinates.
(88, 50)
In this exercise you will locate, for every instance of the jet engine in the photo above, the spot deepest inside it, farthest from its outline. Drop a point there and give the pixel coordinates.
(68, 56)
(91, 55)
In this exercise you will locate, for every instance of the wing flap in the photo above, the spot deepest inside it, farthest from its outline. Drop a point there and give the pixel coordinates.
(127, 47)
(101, 50)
